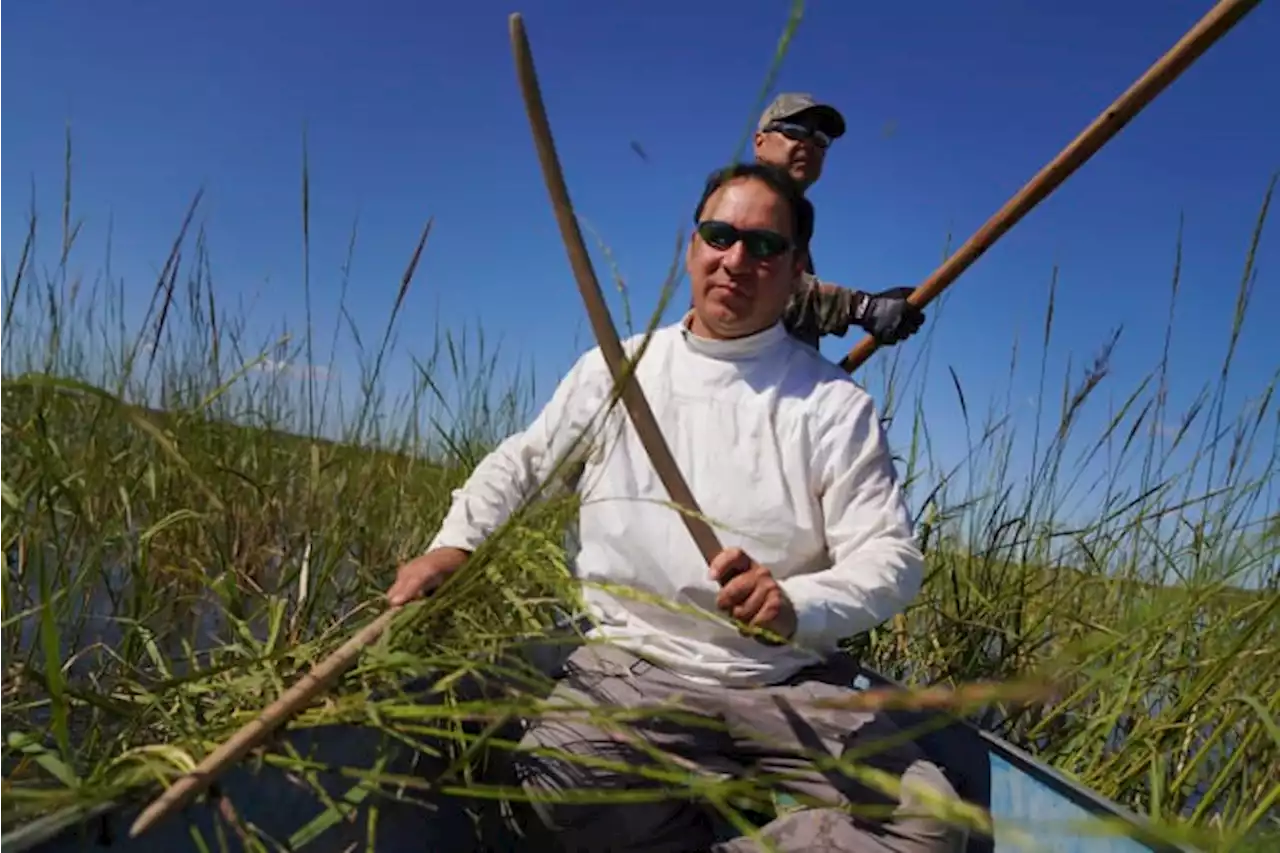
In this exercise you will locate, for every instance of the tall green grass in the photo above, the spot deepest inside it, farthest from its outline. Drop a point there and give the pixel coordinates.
(189, 522)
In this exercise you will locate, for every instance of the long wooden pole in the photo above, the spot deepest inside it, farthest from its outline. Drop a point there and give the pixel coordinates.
(1213, 26)
(632, 396)
(297, 697)
(601, 323)
(1210, 28)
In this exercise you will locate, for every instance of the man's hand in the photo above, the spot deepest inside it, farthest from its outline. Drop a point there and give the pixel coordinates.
(422, 575)
(889, 317)
(750, 594)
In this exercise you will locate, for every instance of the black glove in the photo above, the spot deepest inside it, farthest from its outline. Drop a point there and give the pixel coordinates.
(888, 316)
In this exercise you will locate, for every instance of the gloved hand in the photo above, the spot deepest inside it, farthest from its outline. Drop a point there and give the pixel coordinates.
(888, 316)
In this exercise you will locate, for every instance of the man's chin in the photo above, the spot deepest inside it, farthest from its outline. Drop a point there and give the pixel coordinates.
(804, 175)
(727, 323)
(729, 312)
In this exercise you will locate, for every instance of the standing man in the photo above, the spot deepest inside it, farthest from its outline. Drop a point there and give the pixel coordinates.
(793, 134)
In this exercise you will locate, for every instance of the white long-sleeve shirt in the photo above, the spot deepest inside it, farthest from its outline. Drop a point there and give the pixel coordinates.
(787, 460)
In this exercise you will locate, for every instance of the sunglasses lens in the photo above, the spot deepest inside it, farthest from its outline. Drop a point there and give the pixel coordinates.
(759, 244)
(718, 235)
(764, 244)
(799, 132)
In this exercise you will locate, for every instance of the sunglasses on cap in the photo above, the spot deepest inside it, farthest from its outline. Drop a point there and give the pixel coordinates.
(798, 132)
(760, 243)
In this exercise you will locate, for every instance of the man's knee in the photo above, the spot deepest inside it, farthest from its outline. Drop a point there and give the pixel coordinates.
(919, 823)
(926, 806)
(836, 831)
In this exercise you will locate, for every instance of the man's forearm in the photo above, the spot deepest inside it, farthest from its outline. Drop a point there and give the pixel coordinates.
(496, 487)
(852, 303)
(512, 472)
(830, 309)
(831, 289)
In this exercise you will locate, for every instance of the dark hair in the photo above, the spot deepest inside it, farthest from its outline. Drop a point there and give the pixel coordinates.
(780, 181)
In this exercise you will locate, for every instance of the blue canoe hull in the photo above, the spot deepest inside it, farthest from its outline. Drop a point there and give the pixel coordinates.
(1032, 806)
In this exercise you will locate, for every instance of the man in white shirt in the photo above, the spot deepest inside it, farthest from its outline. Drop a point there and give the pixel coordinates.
(786, 456)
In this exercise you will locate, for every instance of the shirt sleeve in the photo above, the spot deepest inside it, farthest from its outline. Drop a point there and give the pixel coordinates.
(876, 569)
(510, 473)
(828, 308)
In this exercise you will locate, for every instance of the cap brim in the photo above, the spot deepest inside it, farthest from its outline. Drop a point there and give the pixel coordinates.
(827, 119)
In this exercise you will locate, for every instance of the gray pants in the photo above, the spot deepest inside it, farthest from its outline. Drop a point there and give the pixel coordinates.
(765, 732)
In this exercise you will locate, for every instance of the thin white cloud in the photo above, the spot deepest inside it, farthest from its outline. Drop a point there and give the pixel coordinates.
(292, 369)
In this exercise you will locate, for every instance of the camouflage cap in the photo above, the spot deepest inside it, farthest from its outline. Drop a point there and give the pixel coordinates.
(791, 104)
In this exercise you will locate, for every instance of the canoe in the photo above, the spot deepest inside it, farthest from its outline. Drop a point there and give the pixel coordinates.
(1033, 807)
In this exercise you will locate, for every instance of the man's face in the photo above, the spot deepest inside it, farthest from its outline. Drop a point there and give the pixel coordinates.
(793, 144)
(742, 266)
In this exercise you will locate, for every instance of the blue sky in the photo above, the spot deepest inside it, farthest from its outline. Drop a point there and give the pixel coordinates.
(414, 113)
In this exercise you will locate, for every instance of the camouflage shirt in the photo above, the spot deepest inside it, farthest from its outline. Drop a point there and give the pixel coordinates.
(813, 313)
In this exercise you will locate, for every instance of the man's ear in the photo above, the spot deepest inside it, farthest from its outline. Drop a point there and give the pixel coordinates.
(758, 140)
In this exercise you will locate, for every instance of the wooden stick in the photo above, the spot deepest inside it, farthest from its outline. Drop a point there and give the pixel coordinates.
(601, 323)
(647, 429)
(319, 679)
(1213, 26)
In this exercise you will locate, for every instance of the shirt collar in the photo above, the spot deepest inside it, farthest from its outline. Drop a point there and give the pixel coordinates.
(735, 348)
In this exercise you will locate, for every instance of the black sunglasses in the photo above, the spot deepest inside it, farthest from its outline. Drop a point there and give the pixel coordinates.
(760, 243)
(798, 132)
